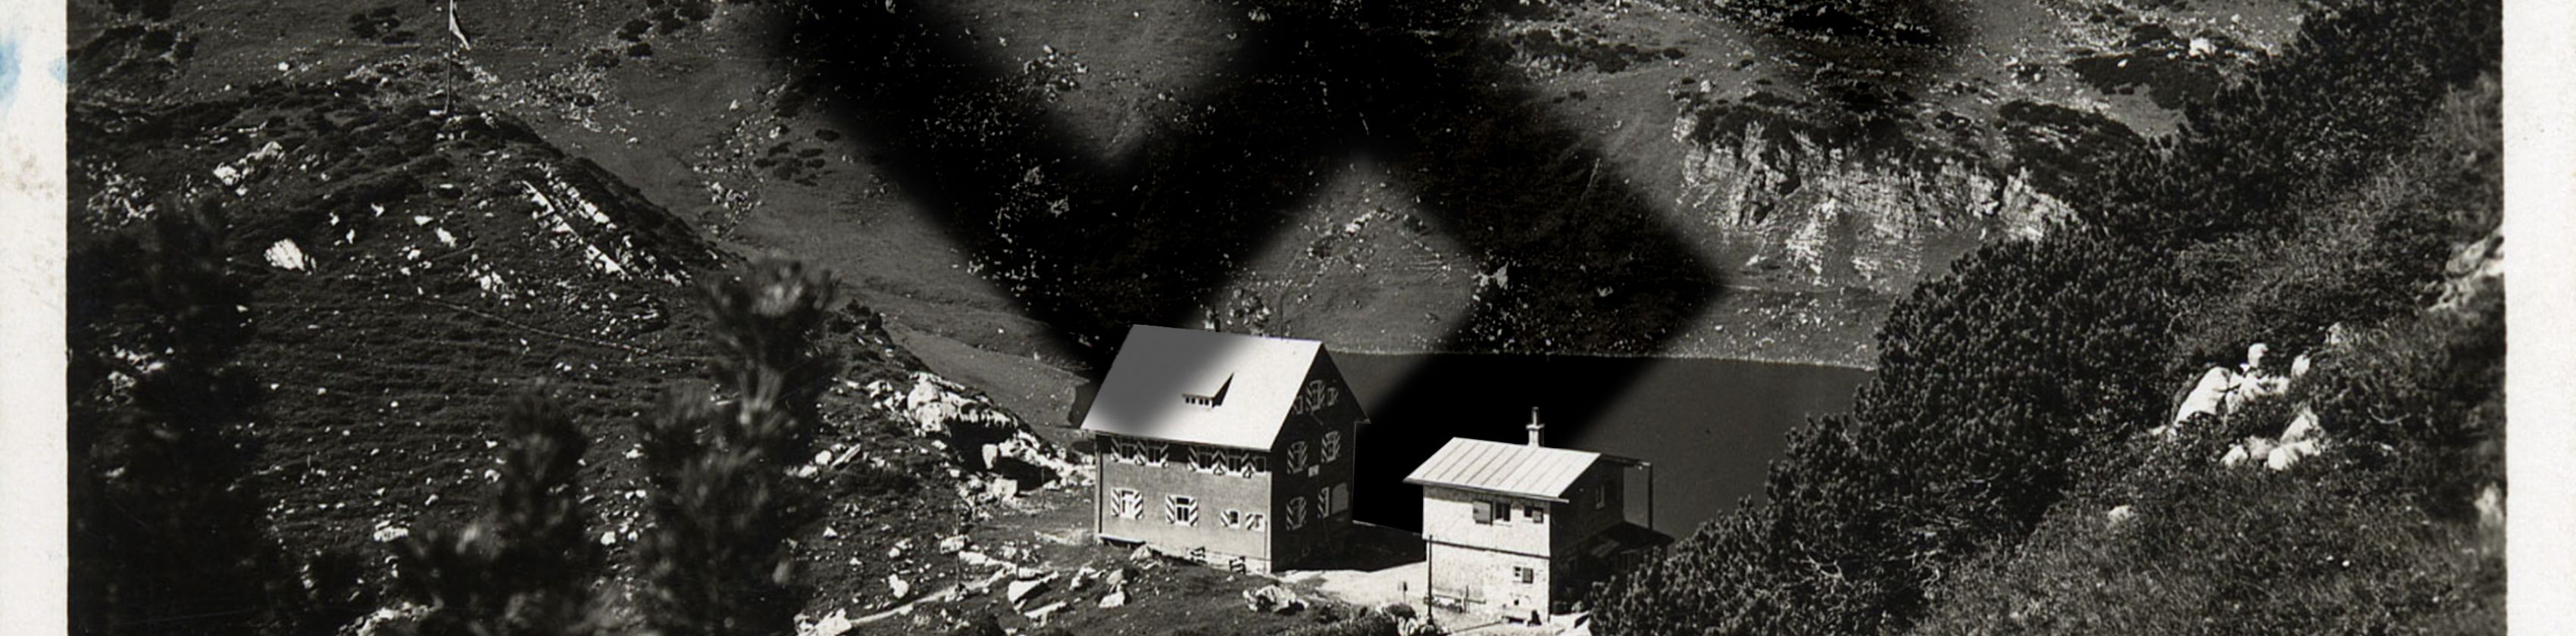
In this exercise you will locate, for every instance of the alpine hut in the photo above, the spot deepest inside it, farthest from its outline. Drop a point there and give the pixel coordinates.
(1518, 530)
(1226, 449)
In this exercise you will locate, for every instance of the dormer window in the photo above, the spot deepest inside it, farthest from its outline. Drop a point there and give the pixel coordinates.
(1210, 400)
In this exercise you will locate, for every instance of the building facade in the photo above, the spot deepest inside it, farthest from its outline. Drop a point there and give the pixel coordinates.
(1519, 530)
(1232, 450)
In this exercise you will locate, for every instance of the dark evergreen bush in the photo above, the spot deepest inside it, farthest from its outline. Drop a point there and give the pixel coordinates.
(2011, 393)
(524, 568)
(716, 561)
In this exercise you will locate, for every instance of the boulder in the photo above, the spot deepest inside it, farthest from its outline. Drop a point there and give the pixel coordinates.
(2303, 427)
(2283, 456)
(1021, 590)
(2208, 396)
(1273, 598)
(1115, 598)
(2235, 455)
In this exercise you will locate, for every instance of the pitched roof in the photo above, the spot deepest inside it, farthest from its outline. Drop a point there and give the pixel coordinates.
(1497, 467)
(1201, 387)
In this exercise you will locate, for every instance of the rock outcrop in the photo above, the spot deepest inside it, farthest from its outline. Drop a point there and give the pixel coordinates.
(1814, 207)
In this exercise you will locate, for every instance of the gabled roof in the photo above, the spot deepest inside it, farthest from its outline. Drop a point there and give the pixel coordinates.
(1510, 469)
(1201, 387)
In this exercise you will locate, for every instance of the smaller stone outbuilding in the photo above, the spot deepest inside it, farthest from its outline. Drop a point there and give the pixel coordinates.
(1519, 530)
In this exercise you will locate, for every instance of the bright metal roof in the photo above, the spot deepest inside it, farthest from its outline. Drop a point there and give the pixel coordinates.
(1497, 467)
(1163, 378)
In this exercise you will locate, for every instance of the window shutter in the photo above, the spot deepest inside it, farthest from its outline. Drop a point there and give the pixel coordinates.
(1484, 512)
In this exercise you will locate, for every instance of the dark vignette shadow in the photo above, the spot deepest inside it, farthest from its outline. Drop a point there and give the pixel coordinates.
(1089, 243)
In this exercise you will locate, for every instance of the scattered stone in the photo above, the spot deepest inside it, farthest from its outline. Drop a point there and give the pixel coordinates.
(285, 255)
(900, 587)
(1115, 598)
(2490, 505)
(952, 544)
(1040, 614)
(1273, 598)
(1415, 627)
(2120, 514)
(833, 625)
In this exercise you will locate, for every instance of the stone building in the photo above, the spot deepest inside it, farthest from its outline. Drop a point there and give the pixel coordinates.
(1519, 530)
(1227, 449)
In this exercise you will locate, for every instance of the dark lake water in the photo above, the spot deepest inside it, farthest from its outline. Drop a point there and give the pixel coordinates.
(1710, 427)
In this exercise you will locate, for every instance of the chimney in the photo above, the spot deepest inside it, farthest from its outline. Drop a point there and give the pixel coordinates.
(1535, 427)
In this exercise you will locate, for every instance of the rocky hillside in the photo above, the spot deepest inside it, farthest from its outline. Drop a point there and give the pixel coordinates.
(1785, 180)
(401, 265)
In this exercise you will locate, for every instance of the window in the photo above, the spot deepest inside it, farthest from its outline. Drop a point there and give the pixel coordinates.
(1524, 574)
(1252, 521)
(1181, 510)
(1156, 452)
(1342, 493)
(1484, 512)
(1126, 503)
(1332, 446)
(1296, 457)
(1535, 513)
(1297, 513)
(1249, 464)
(1211, 400)
(1324, 502)
(1318, 395)
(1126, 451)
(1207, 460)
(1600, 497)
